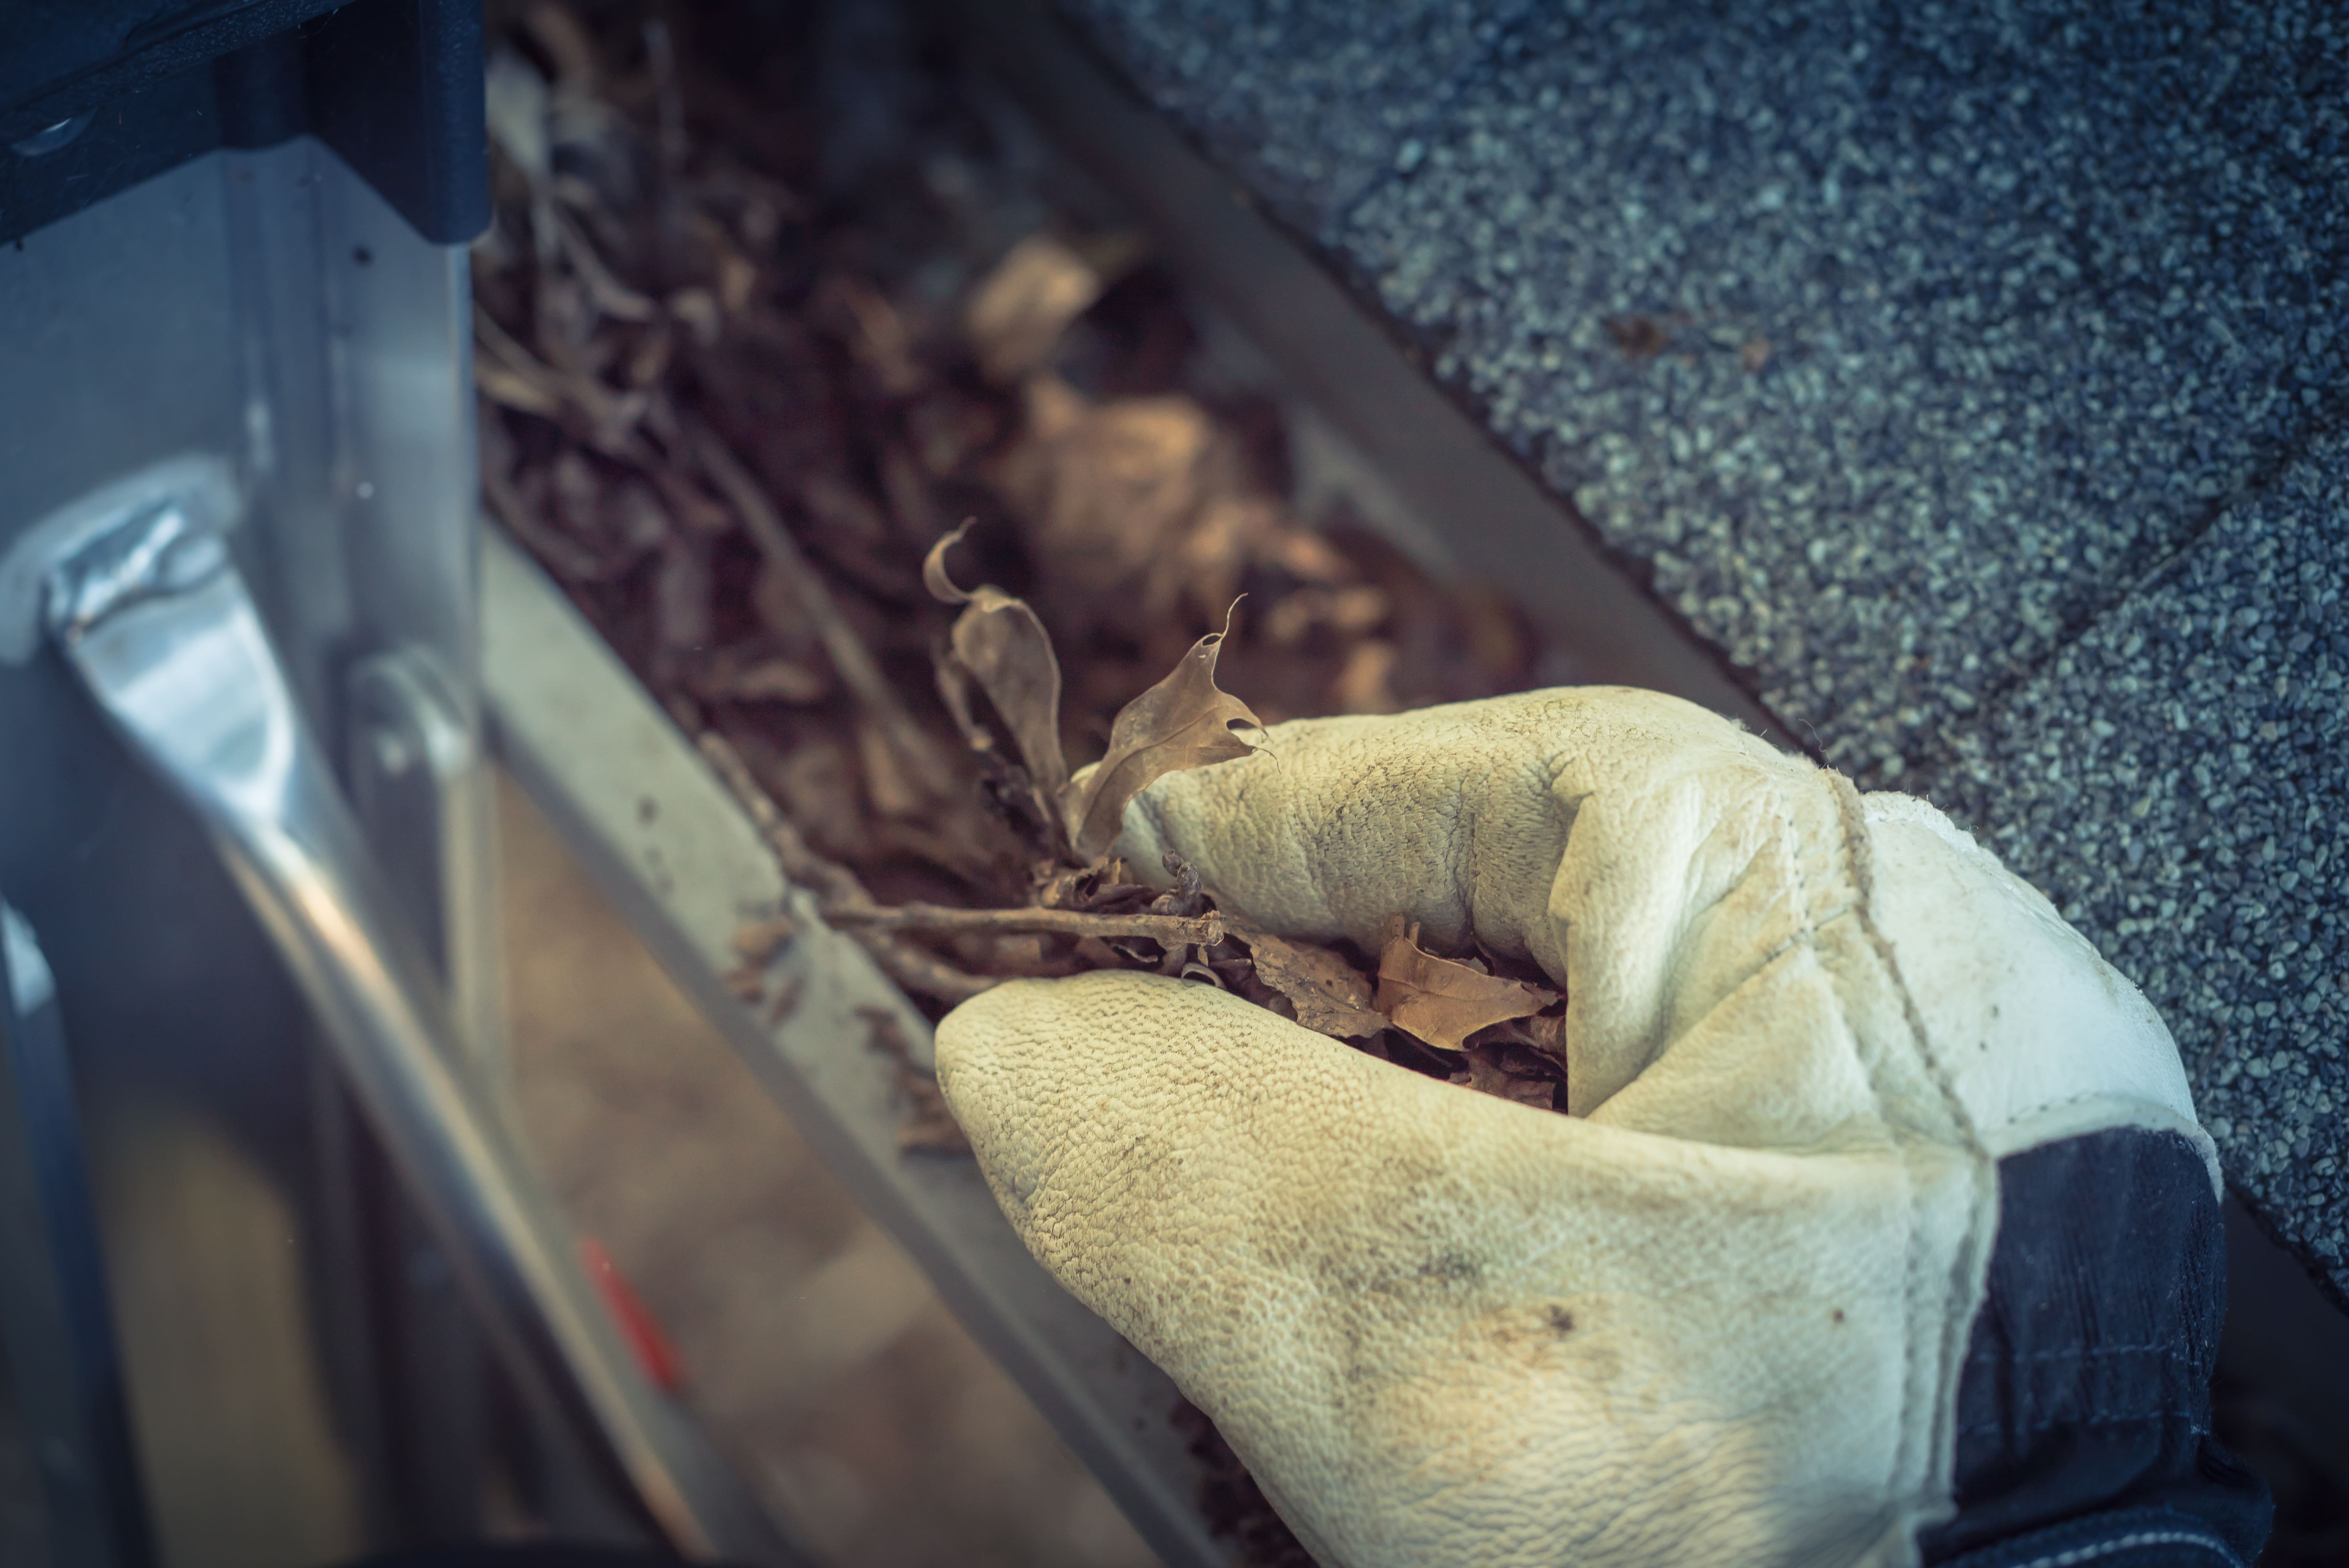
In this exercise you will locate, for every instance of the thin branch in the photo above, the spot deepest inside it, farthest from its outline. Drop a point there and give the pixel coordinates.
(800, 863)
(1170, 930)
(915, 970)
(849, 655)
(840, 887)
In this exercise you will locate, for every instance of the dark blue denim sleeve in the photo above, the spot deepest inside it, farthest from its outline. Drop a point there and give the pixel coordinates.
(2083, 1410)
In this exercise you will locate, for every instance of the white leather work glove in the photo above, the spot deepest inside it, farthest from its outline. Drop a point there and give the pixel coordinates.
(1717, 1313)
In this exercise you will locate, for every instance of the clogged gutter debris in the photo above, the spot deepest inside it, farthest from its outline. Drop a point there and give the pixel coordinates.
(735, 418)
(1504, 1034)
(762, 419)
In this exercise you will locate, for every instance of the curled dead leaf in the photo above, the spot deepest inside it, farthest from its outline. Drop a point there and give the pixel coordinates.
(1543, 1034)
(1329, 996)
(1442, 1002)
(1004, 647)
(1489, 1074)
(1184, 721)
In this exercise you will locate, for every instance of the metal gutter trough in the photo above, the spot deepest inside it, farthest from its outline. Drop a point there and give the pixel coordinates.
(661, 833)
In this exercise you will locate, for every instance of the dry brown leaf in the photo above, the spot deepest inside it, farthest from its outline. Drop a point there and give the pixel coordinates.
(699, 309)
(817, 783)
(929, 1128)
(519, 510)
(850, 652)
(1441, 1002)
(1050, 407)
(947, 430)
(1017, 312)
(1204, 565)
(1308, 556)
(1184, 721)
(841, 506)
(692, 506)
(1350, 611)
(882, 341)
(520, 376)
(1366, 683)
(577, 493)
(1544, 1034)
(785, 1001)
(779, 680)
(605, 292)
(1329, 996)
(649, 360)
(1104, 490)
(634, 515)
(1488, 1076)
(888, 785)
(762, 939)
(761, 680)
(999, 641)
(510, 390)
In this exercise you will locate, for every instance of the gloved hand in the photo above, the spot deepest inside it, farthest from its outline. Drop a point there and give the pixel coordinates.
(1721, 1312)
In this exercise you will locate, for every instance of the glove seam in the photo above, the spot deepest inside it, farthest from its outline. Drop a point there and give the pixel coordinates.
(2041, 1108)
(1969, 1269)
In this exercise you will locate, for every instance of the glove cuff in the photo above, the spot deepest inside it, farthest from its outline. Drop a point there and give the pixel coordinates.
(2126, 1538)
(2084, 1405)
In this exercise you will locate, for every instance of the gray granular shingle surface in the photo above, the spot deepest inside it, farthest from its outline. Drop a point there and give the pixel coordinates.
(1963, 373)
(2175, 777)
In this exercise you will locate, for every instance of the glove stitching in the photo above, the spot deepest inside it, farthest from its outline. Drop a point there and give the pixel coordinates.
(2078, 1554)
(2047, 1423)
(2169, 1351)
(1858, 871)
(1971, 1265)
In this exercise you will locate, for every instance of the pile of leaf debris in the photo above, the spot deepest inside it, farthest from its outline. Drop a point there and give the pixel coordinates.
(737, 404)
(736, 414)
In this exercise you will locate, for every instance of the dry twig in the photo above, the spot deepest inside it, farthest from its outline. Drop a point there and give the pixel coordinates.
(905, 963)
(1168, 930)
(858, 671)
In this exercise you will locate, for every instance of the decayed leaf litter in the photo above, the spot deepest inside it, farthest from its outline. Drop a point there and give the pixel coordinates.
(1509, 1031)
(757, 435)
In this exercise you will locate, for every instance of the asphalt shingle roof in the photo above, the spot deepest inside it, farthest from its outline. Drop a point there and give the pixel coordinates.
(1968, 373)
